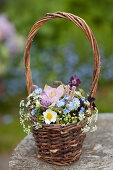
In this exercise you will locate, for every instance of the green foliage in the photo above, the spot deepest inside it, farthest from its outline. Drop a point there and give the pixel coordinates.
(98, 15)
(104, 98)
(10, 135)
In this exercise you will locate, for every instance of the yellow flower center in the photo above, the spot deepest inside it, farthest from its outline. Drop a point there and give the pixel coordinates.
(49, 116)
(52, 94)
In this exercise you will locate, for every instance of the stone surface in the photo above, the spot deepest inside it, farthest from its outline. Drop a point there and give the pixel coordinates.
(97, 151)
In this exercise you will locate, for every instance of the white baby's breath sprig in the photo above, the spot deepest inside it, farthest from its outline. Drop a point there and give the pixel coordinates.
(36, 125)
(86, 128)
(27, 116)
(21, 121)
(28, 103)
(27, 130)
(81, 117)
(94, 128)
(87, 103)
(89, 119)
(30, 95)
(21, 112)
(22, 103)
(88, 111)
(24, 116)
(95, 114)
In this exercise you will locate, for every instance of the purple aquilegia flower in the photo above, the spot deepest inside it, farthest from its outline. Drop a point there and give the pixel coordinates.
(74, 81)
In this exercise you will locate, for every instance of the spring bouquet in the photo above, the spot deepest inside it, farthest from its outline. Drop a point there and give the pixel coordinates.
(61, 105)
(59, 115)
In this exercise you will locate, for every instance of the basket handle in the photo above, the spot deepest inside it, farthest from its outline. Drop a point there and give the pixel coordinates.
(83, 26)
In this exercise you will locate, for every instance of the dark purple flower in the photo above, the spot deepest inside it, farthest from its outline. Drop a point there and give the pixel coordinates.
(74, 81)
(90, 99)
(93, 104)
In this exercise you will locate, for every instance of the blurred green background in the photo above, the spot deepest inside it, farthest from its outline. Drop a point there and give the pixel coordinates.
(59, 50)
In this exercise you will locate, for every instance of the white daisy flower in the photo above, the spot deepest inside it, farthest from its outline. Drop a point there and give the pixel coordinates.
(50, 116)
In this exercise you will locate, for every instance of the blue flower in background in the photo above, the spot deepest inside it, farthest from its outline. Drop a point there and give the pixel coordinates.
(65, 111)
(60, 103)
(37, 91)
(33, 112)
(81, 110)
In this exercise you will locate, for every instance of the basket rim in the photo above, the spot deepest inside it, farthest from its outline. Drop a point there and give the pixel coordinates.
(59, 126)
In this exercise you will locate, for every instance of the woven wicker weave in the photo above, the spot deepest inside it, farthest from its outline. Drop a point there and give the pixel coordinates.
(59, 145)
(56, 144)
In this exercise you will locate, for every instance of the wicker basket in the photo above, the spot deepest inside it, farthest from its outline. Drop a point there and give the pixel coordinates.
(56, 144)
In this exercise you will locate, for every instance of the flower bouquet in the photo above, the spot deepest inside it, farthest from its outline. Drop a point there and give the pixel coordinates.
(59, 115)
(63, 105)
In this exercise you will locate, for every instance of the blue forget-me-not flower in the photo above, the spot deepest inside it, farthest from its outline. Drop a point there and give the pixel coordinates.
(37, 91)
(81, 110)
(76, 103)
(33, 112)
(60, 103)
(65, 111)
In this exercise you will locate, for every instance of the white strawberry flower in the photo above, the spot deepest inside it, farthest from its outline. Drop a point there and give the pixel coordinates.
(49, 116)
